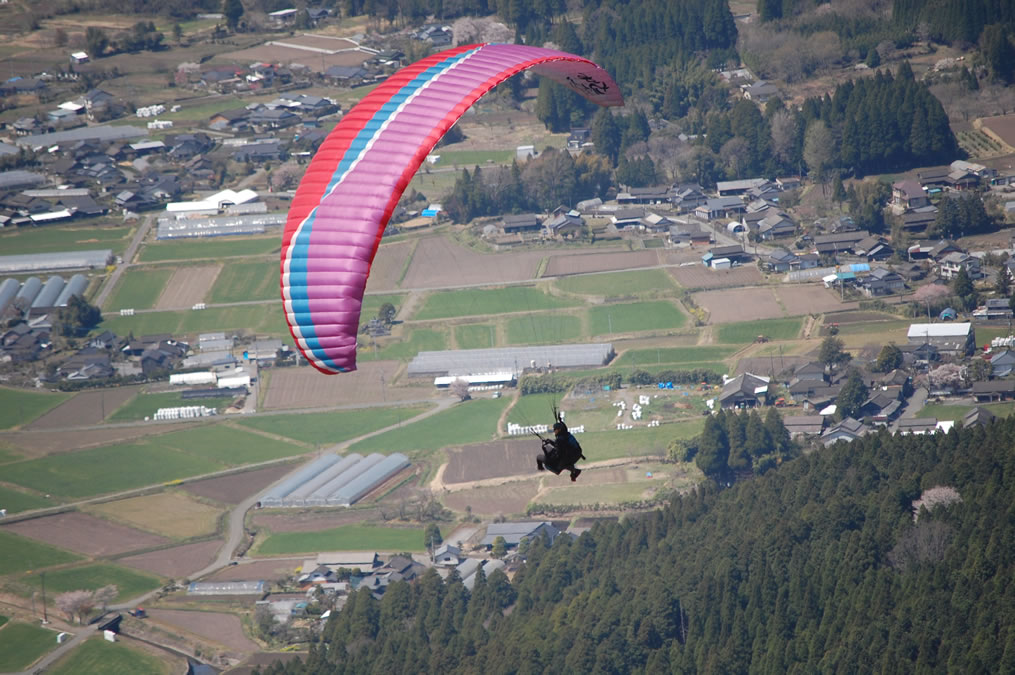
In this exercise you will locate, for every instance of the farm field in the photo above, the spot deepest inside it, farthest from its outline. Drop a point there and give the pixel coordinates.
(178, 562)
(812, 299)
(16, 501)
(230, 445)
(741, 304)
(585, 263)
(187, 287)
(389, 266)
(620, 485)
(440, 262)
(304, 387)
(534, 409)
(23, 644)
(139, 288)
(346, 538)
(199, 248)
(470, 302)
(634, 317)
(674, 355)
(468, 422)
(24, 241)
(223, 629)
(18, 407)
(985, 334)
(260, 319)
(467, 158)
(314, 521)
(85, 473)
(18, 554)
(109, 658)
(475, 336)
(170, 514)
(495, 500)
(536, 329)
(619, 284)
(700, 277)
(234, 488)
(746, 331)
(145, 405)
(417, 340)
(84, 408)
(332, 428)
(129, 583)
(241, 281)
(86, 534)
(41, 443)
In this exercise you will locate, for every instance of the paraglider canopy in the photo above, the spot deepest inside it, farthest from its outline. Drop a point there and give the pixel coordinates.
(359, 173)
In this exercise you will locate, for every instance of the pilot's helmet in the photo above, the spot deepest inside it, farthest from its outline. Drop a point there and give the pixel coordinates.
(559, 428)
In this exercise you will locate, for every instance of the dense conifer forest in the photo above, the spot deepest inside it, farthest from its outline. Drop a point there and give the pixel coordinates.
(821, 565)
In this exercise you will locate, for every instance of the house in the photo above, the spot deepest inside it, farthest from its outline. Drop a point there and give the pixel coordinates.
(919, 354)
(688, 197)
(565, 224)
(689, 233)
(809, 261)
(881, 406)
(839, 242)
(881, 281)
(933, 179)
(263, 151)
(917, 222)
(234, 118)
(977, 417)
(963, 179)
(744, 391)
(943, 248)
(627, 219)
(731, 188)
(908, 194)
(873, 248)
(776, 225)
(659, 194)
(847, 430)
(272, 118)
(1002, 363)
(578, 137)
(513, 533)
(820, 398)
(994, 390)
(916, 426)
(78, 58)
(949, 265)
(733, 253)
(760, 91)
(955, 339)
(722, 207)
(346, 75)
(788, 183)
(779, 260)
(523, 222)
(993, 308)
(447, 556)
(653, 222)
(804, 425)
(435, 34)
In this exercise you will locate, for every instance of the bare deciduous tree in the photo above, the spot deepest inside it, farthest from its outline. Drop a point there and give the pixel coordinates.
(75, 604)
(460, 388)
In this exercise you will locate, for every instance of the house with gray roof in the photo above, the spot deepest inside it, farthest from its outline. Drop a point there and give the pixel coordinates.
(744, 391)
(514, 533)
(847, 430)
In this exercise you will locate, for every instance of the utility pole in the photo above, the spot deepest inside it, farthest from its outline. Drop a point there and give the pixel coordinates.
(45, 616)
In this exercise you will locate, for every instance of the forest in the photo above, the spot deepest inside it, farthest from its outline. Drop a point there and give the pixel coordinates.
(891, 554)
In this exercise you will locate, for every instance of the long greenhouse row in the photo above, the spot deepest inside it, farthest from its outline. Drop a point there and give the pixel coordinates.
(331, 480)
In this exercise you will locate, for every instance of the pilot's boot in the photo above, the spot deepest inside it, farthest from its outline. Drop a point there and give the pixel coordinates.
(574, 474)
(539, 464)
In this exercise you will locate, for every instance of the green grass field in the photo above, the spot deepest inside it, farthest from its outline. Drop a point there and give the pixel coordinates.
(262, 319)
(372, 304)
(240, 281)
(139, 288)
(55, 239)
(984, 334)
(20, 554)
(944, 411)
(145, 405)
(536, 329)
(87, 472)
(22, 644)
(109, 658)
(533, 409)
(476, 336)
(193, 249)
(129, 584)
(632, 282)
(747, 331)
(16, 501)
(470, 302)
(638, 442)
(20, 406)
(419, 340)
(674, 355)
(469, 422)
(470, 158)
(635, 316)
(328, 428)
(230, 445)
(3, 620)
(346, 538)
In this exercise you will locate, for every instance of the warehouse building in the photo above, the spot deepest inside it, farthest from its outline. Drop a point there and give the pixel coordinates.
(331, 481)
(218, 226)
(514, 360)
(45, 262)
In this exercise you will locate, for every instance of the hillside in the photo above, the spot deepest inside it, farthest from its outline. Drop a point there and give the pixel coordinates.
(818, 566)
